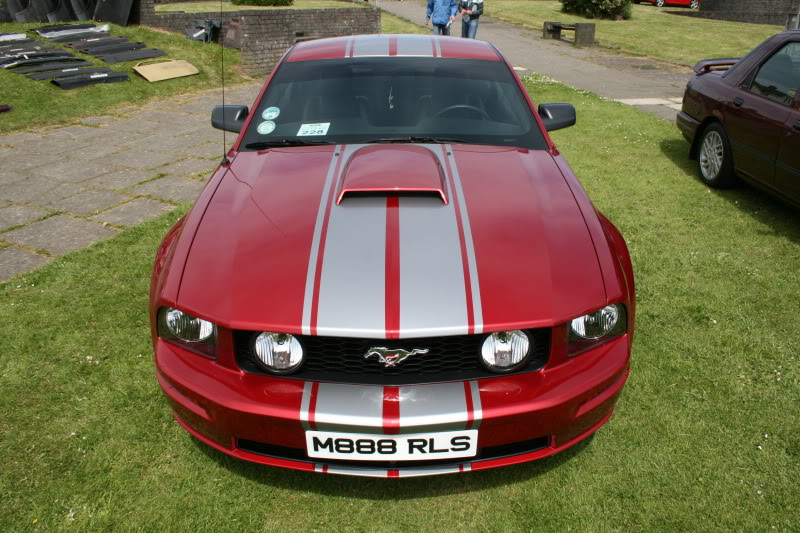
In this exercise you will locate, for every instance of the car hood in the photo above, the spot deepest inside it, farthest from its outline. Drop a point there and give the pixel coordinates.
(392, 241)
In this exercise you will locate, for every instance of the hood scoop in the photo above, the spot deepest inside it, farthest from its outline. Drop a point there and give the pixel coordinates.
(392, 171)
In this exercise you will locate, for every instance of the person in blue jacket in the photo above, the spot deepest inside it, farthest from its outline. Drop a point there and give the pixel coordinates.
(441, 13)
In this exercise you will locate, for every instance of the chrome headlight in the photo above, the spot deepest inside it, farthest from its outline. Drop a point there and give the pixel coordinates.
(188, 331)
(280, 353)
(595, 328)
(505, 351)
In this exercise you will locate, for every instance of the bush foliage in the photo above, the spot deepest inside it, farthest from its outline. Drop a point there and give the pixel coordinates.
(262, 2)
(602, 9)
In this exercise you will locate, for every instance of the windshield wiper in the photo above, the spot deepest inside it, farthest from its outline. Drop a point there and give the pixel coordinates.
(423, 140)
(284, 142)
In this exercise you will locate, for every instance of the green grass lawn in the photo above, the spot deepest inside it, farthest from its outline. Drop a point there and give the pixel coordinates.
(652, 31)
(392, 24)
(211, 6)
(706, 435)
(40, 103)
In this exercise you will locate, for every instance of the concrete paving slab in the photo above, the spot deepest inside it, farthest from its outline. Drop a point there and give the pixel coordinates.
(75, 133)
(59, 234)
(117, 135)
(96, 121)
(77, 170)
(174, 188)
(160, 115)
(15, 261)
(88, 201)
(14, 215)
(144, 159)
(17, 139)
(188, 167)
(134, 212)
(198, 108)
(10, 175)
(212, 150)
(25, 158)
(128, 125)
(121, 179)
(38, 190)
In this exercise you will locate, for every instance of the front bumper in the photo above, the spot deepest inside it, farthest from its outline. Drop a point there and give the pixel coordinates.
(519, 418)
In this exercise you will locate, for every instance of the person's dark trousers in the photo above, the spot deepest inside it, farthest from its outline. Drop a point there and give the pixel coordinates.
(441, 29)
(469, 28)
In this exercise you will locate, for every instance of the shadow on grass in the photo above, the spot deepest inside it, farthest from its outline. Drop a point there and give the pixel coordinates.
(759, 205)
(389, 489)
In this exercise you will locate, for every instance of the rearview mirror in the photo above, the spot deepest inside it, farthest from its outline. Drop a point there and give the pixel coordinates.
(229, 117)
(557, 116)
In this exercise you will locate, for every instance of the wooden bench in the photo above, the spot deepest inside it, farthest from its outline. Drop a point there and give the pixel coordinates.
(584, 32)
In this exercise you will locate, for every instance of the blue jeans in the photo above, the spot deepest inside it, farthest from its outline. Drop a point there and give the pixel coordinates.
(469, 28)
(441, 29)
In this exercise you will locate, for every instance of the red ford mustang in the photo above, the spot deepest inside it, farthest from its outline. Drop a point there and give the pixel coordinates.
(692, 4)
(393, 272)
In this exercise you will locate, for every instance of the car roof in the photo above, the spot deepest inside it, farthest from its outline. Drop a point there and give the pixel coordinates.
(393, 46)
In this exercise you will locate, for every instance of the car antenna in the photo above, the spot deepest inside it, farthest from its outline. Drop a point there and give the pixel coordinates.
(225, 159)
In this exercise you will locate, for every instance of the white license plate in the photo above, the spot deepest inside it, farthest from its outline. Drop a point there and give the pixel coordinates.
(413, 447)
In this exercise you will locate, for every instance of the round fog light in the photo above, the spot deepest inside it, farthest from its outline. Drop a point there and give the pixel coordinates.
(505, 351)
(278, 352)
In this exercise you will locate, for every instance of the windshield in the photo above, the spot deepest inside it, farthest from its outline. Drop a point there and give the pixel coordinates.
(396, 99)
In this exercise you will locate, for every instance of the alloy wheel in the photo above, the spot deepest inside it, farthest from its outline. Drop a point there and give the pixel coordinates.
(711, 153)
(694, 4)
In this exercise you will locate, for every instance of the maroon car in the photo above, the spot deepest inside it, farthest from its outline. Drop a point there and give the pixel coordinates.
(742, 118)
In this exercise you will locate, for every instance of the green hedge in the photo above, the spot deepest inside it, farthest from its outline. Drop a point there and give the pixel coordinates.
(602, 9)
(262, 2)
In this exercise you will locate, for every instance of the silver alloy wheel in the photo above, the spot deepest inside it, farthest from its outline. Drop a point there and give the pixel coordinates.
(711, 153)
(694, 4)
(659, 3)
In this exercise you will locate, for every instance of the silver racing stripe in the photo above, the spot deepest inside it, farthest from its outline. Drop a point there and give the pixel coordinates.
(349, 408)
(477, 408)
(315, 242)
(304, 404)
(374, 45)
(439, 407)
(432, 292)
(438, 46)
(414, 45)
(471, 262)
(348, 49)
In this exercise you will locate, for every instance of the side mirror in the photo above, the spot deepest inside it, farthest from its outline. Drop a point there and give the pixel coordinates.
(557, 116)
(229, 117)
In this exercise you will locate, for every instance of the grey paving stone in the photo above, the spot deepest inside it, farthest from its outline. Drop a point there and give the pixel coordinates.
(11, 175)
(88, 201)
(15, 139)
(15, 261)
(73, 133)
(25, 160)
(144, 159)
(177, 144)
(207, 150)
(96, 150)
(52, 146)
(158, 115)
(173, 188)
(39, 190)
(198, 108)
(18, 214)
(77, 171)
(189, 166)
(59, 234)
(105, 119)
(121, 179)
(134, 212)
(137, 125)
(116, 136)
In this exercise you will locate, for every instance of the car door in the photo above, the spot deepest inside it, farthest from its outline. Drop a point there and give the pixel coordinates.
(787, 169)
(755, 117)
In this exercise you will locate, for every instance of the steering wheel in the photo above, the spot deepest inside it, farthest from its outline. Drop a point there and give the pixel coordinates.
(462, 107)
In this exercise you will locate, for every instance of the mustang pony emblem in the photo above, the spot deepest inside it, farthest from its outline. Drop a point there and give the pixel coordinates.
(393, 357)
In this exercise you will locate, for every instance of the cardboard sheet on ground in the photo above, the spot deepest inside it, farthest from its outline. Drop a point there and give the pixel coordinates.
(154, 71)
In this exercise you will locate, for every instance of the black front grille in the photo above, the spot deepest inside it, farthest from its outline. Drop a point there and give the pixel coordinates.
(341, 359)
(298, 454)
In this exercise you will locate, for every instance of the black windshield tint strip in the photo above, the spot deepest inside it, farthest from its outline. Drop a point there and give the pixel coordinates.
(145, 53)
(66, 73)
(74, 82)
(51, 66)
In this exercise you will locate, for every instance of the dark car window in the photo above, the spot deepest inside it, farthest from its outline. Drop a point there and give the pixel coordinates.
(358, 100)
(779, 77)
(749, 54)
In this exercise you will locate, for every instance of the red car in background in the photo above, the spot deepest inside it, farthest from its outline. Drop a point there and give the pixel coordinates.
(692, 4)
(742, 118)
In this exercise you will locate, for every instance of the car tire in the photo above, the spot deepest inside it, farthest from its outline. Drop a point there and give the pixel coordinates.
(714, 158)
(694, 4)
(659, 3)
